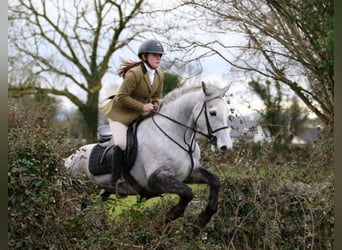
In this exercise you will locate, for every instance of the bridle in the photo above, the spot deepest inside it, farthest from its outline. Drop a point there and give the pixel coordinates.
(210, 132)
(212, 139)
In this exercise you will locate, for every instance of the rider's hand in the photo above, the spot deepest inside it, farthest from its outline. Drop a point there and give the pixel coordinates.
(148, 107)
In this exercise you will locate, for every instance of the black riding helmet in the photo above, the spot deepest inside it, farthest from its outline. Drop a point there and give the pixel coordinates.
(151, 46)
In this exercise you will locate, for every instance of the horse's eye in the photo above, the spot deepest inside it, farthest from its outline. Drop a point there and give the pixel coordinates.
(212, 113)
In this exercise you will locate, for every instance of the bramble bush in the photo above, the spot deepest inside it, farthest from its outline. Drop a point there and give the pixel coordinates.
(278, 204)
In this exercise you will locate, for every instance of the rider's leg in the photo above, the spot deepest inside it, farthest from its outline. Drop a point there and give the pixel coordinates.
(117, 165)
(119, 132)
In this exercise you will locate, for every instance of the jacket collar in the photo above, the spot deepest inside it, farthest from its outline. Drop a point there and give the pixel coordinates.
(146, 79)
(144, 70)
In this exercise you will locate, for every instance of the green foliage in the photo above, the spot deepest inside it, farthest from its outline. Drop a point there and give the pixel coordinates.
(47, 208)
(265, 214)
(171, 82)
(283, 202)
(280, 202)
(272, 116)
(283, 123)
(317, 24)
(314, 21)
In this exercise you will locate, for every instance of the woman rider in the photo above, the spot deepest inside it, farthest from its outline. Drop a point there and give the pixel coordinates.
(138, 95)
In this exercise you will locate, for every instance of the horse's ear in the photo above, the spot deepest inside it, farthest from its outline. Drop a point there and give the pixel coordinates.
(225, 89)
(204, 89)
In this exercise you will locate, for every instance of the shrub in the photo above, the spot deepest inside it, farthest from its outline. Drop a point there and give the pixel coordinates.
(47, 208)
(278, 202)
(263, 214)
(275, 201)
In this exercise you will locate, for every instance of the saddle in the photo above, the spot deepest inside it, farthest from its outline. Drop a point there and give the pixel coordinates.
(101, 157)
(100, 161)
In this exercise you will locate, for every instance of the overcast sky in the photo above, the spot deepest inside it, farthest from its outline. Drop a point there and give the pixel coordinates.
(214, 68)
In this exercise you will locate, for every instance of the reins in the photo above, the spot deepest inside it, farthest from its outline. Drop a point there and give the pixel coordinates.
(175, 121)
(210, 134)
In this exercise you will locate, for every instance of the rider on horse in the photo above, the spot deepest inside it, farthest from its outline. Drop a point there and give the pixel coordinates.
(138, 95)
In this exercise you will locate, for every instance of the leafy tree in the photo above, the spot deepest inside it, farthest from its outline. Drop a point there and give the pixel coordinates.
(171, 81)
(272, 115)
(280, 40)
(297, 117)
(283, 123)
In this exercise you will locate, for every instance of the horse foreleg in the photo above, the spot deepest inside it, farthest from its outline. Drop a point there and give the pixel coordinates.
(203, 176)
(163, 183)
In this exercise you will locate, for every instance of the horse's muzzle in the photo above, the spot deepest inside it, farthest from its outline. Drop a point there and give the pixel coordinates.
(217, 149)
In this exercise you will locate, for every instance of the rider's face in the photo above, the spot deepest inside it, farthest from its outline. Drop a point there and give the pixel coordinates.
(153, 59)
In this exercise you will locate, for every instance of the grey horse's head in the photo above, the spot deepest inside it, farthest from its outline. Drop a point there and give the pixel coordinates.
(212, 118)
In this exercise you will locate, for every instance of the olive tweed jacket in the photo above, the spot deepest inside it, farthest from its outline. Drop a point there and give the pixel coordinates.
(135, 91)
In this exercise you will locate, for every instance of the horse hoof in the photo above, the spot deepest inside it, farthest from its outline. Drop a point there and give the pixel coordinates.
(203, 220)
(167, 220)
(121, 189)
(171, 217)
(104, 198)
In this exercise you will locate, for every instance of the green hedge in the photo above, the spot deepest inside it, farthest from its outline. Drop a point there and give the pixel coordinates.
(47, 208)
(283, 202)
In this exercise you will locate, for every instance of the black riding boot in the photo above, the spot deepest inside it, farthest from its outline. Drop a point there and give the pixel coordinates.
(117, 172)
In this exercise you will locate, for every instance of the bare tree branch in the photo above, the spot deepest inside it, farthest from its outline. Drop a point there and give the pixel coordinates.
(73, 40)
(279, 40)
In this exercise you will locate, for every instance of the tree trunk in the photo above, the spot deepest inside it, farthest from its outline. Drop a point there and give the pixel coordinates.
(90, 116)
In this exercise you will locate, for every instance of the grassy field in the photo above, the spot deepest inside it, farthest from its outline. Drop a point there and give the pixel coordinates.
(119, 206)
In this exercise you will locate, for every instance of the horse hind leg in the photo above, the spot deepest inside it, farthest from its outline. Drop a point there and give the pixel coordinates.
(202, 176)
(163, 183)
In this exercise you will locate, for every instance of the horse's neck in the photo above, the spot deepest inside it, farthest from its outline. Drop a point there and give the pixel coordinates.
(181, 108)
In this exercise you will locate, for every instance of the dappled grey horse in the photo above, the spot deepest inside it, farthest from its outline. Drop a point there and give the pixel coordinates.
(168, 155)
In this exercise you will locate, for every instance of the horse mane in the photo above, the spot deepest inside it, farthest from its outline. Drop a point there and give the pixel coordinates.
(184, 89)
(177, 92)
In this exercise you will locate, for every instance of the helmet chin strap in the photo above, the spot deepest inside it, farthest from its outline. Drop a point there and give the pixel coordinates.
(148, 64)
